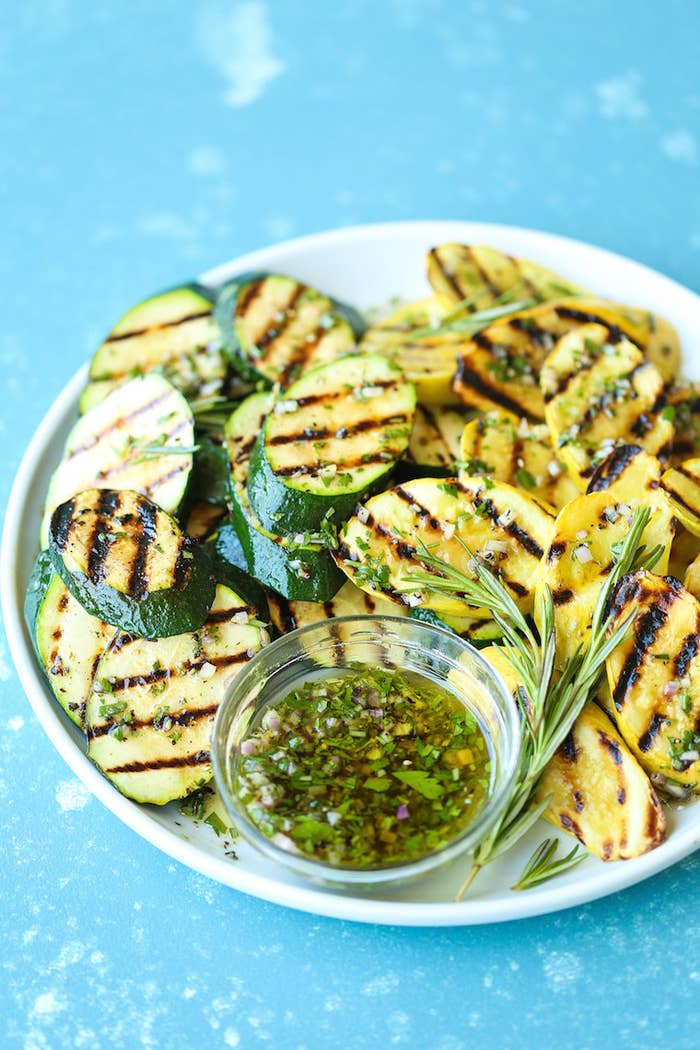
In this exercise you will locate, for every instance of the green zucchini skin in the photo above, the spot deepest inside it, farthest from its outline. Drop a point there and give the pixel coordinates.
(307, 574)
(155, 613)
(41, 576)
(353, 316)
(210, 481)
(331, 439)
(173, 333)
(479, 634)
(231, 568)
(68, 641)
(295, 327)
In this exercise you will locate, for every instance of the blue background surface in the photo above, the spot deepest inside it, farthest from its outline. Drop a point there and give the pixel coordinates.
(144, 142)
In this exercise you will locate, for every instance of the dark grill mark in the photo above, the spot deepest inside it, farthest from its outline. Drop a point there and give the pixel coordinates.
(570, 825)
(333, 395)
(62, 523)
(199, 758)
(312, 470)
(117, 423)
(276, 328)
(611, 746)
(63, 601)
(467, 377)
(579, 804)
(418, 508)
(516, 531)
(304, 352)
(447, 277)
(621, 796)
(100, 543)
(145, 536)
(360, 427)
(556, 550)
(224, 615)
(247, 295)
(184, 717)
(647, 739)
(615, 333)
(141, 680)
(158, 327)
(568, 747)
(562, 596)
(370, 604)
(688, 649)
(536, 335)
(677, 498)
(485, 279)
(646, 627)
(613, 467)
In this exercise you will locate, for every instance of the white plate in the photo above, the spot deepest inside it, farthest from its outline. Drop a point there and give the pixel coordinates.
(364, 265)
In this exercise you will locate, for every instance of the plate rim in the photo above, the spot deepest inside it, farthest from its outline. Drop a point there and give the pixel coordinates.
(302, 897)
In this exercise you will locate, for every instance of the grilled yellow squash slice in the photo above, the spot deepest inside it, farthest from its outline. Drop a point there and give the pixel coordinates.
(500, 366)
(692, 578)
(579, 558)
(684, 410)
(684, 550)
(411, 337)
(628, 473)
(654, 676)
(681, 486)
(481, 275)
(286, 615)
(435, 437)
(599, 793)
(600, 391)
(152, 706)
(505, 448)
(380, 545)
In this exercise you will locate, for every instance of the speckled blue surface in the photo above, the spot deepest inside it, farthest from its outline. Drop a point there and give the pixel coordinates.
(143, 142)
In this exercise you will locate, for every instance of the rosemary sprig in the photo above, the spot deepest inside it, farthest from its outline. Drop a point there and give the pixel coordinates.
(543, 864)
(550, 704)
(459, 319)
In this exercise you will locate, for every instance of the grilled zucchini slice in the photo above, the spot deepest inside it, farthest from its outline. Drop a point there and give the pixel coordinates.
(481, 275)
(579, 557)
(173, 333)
(599, 793)
(599, 391)
(504, 448)
(127, 562)
(276, 328)
(152, 706)
(500, 366)
(203, 520)
(68, 641)
(681, 486)
(654, 676)
(434, 444)
(298, 567)
(140, 437)
(380, 544)
(334, 436)
(412, 339)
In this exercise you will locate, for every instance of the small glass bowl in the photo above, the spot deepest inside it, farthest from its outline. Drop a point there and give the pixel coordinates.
(374, 641)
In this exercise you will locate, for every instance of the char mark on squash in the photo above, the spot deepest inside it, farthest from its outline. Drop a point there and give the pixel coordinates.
(134, 332)
(62, 522)
(562, 596)
(248, 294)
(145, 538)
(611, 746)
(568, 748)
(198, 758)
(225, 615)
(519, 534)
(272, 333)
(361, 427)
(646, 740)
(645, 630)
(447, 277)
(467, 377)
(556, 549)
(418, 508)
(613, 467)
(615, 333)
(118, 423)
(570, 825)
(100, 538)
(688, 649)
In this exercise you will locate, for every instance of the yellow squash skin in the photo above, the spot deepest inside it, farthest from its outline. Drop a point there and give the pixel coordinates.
(428, 360)
(481, 274)
(600, 391)
(520, 453)
(654, 676)
(692, 578)
(599, 793)
(591, 524)
(380, 543)
(500, 366)
(681, 486)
